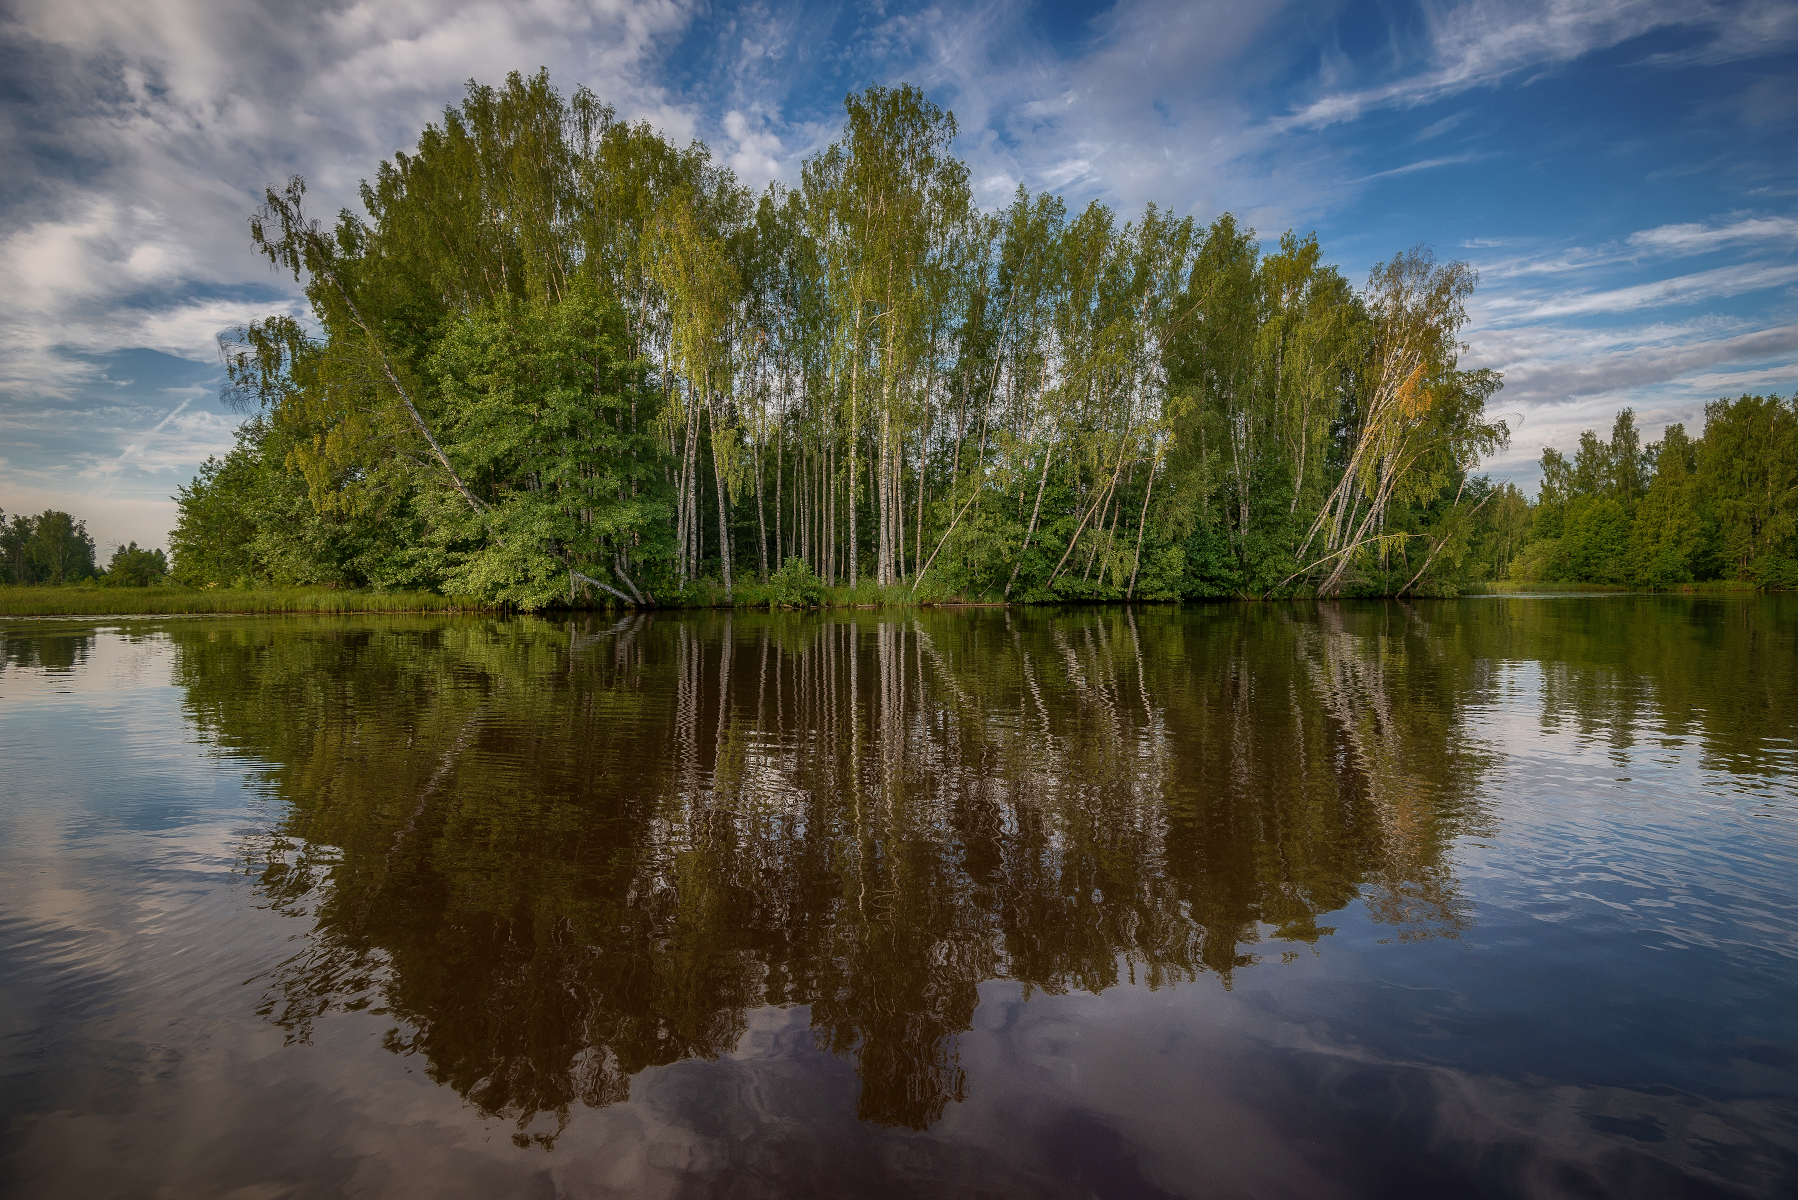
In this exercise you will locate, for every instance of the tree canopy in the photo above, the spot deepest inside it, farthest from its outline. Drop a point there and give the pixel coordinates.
(53, 548)
(50, 548)
(558, 358)
(1720, 506)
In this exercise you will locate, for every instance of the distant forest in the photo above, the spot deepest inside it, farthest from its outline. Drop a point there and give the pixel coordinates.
(1683, 509)
(54, 548)
(560, 359)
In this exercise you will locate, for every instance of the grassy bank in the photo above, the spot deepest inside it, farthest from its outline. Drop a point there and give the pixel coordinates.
(1511, 587)
(1709, 587)
(1713, 586)
(98, 601)
(750, 594)
(171, 601)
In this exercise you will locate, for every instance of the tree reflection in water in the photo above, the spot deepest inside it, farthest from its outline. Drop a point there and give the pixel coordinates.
(554, 855)
(52, 651)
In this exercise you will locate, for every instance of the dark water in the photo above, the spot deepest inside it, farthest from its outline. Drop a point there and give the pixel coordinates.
(1495, 897)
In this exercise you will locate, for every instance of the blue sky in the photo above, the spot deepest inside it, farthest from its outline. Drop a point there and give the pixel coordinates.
(1622, 173)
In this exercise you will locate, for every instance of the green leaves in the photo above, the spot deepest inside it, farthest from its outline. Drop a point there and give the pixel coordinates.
(534, 398)
(1748, 468)
(52, 547)
(1721, 506)
(795, 586)
(547, 320)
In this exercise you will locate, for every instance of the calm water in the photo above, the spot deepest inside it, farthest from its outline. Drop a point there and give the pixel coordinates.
(1492, 897)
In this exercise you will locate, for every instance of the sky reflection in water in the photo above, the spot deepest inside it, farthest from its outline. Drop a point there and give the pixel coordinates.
(1490, 897)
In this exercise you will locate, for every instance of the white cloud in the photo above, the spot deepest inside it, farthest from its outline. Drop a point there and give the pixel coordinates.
(1752, 30)
(1766, 234)
(1479, 44)
(188, 110)
(1556, 367)
(1573, 357)
(1438, 128)
(182, 437)
(1716, 283)
(1697, 238)
(758, 154)
(111, 520)
(122, 483)
(1421, 165)
(141, 137)
(1148, 108)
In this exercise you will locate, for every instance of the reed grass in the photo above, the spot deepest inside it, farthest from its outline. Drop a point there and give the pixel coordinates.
(1714, 585)
(81, 600)
(1512, 587)
(749, 593)
(164, 601)
(89, 601)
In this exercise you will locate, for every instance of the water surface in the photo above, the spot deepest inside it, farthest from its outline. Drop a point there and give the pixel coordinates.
(1491, 897)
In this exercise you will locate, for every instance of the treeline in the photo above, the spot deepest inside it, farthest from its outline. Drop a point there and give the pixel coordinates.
(1680, 510)
(54, 548)
(561, 358)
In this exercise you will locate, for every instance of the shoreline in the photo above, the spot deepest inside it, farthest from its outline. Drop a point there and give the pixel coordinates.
(79, 601)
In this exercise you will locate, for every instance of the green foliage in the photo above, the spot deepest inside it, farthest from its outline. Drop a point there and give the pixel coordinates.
(1595, 541)
(1748, 473)
(1679, 511)
(92, 601)
(1537, 562)
(1323, 438)
(214, 529)
(795, 586)
(15, 538)
(1668, 539)
(132, 567)
(533, 401)
(252, 519)
(1504, 532)
(50, 548)
(557, 360)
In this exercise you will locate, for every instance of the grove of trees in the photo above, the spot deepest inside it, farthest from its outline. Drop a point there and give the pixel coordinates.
(54, 548)
(558, 358)
(1680, 510)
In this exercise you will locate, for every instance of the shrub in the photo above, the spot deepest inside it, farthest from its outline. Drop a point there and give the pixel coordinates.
(132, 567)
(794, 586)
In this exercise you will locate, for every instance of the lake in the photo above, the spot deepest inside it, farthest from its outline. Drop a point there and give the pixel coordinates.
(1487, 897)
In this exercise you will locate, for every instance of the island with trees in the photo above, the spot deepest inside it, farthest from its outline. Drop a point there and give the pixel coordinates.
(560, 360)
